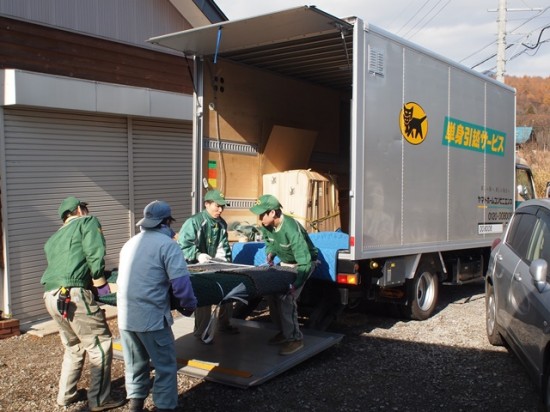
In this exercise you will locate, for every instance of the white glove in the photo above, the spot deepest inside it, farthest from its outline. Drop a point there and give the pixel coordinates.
(203, 258)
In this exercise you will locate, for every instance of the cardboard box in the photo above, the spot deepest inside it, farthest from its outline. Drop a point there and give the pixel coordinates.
(308, 196)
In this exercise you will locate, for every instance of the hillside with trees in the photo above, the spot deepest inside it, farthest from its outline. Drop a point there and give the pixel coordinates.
(533, 105)
(533, 109)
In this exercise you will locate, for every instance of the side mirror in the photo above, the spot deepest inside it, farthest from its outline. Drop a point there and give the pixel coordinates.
(520, 189)
(539, 270)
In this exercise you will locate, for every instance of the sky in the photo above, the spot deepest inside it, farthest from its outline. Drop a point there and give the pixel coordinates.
(461, 30)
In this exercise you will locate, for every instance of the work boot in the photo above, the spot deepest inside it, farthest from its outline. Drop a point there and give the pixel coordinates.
(109, 403)
(277, 339)
(290, 347)
(136, 405)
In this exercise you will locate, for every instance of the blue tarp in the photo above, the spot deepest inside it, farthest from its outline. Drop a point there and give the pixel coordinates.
(328, 243)
(523, 133)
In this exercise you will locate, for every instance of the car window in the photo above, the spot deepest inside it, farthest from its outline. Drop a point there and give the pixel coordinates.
(537, 246)
(544, 218)
(519, 234)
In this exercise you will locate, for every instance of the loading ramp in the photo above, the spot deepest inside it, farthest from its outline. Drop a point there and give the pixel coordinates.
(241, 360)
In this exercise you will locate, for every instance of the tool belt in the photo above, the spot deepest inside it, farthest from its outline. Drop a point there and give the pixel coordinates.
(63, 301)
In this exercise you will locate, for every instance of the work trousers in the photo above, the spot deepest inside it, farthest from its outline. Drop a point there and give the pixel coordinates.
(158, 346)
(202, 317)
(283, 310)
(84, 331)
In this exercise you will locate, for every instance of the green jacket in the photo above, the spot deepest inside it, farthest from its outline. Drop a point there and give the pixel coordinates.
(201, 233)
(75, 254)
(292, 244)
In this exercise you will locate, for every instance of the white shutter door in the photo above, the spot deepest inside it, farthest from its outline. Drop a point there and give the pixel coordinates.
(51, 155)
(162, 158)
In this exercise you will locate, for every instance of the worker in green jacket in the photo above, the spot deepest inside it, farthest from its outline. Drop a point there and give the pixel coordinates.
(202, 238)
(76, 260)
(287, 239)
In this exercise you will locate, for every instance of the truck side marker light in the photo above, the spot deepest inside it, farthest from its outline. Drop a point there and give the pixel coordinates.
(347, 279)
(373, 264)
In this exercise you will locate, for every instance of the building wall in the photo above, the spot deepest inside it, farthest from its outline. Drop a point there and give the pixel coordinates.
(126, 21)
(44, 49)
(96, 82)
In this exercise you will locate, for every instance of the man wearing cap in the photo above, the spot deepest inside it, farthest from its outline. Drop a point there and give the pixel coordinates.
(76, 260)
(150, 263)
(203, 237)
(286, 238)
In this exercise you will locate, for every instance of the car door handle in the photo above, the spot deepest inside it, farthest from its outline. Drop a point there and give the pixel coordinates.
(499, 257)
(517, 276)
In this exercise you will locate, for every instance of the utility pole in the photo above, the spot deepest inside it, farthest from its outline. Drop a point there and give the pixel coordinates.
(501, 41)
(501, 36)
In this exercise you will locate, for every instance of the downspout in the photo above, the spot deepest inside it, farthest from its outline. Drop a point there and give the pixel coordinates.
(5, 302)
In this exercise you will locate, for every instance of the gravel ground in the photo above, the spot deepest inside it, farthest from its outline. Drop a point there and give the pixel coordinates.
(382, 364)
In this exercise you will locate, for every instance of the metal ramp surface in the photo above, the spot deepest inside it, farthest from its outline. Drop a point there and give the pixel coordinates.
(241, 360)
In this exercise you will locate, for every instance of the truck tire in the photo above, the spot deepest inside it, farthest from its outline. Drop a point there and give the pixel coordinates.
(491, 325)
(422, 294)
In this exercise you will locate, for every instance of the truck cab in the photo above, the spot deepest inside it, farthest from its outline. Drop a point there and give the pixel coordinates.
(525, 184)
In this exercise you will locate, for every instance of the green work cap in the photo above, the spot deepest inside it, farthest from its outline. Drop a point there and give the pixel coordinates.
(215, 196)
(265, 203)
(69, 205)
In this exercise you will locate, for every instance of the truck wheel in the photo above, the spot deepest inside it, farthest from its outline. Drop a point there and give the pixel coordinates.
(422, 295)
(491, 326)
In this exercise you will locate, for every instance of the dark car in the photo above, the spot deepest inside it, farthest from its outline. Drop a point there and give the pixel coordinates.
(517, 292)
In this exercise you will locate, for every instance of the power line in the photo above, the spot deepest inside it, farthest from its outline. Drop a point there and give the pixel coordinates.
(540, 12)
(431, 18)
(527, 47)
(413, 16)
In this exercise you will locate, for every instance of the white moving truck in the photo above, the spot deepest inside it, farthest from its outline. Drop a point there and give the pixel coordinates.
(422, 148)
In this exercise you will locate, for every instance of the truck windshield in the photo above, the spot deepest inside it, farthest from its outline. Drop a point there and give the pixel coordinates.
(524, 185)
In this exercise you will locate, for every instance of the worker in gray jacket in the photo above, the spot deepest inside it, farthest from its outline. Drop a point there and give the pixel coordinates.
(150, 265)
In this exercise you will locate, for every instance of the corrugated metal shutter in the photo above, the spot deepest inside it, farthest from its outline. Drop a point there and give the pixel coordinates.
(51, 155)
(162, 158)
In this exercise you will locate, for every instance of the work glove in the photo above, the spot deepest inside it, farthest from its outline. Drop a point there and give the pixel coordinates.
(101, 286)
(103, 290)
(204, 257)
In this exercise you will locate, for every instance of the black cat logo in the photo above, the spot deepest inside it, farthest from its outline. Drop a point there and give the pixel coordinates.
(413, 123)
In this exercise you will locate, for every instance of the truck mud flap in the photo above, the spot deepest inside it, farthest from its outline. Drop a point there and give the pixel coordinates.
(241, 360)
